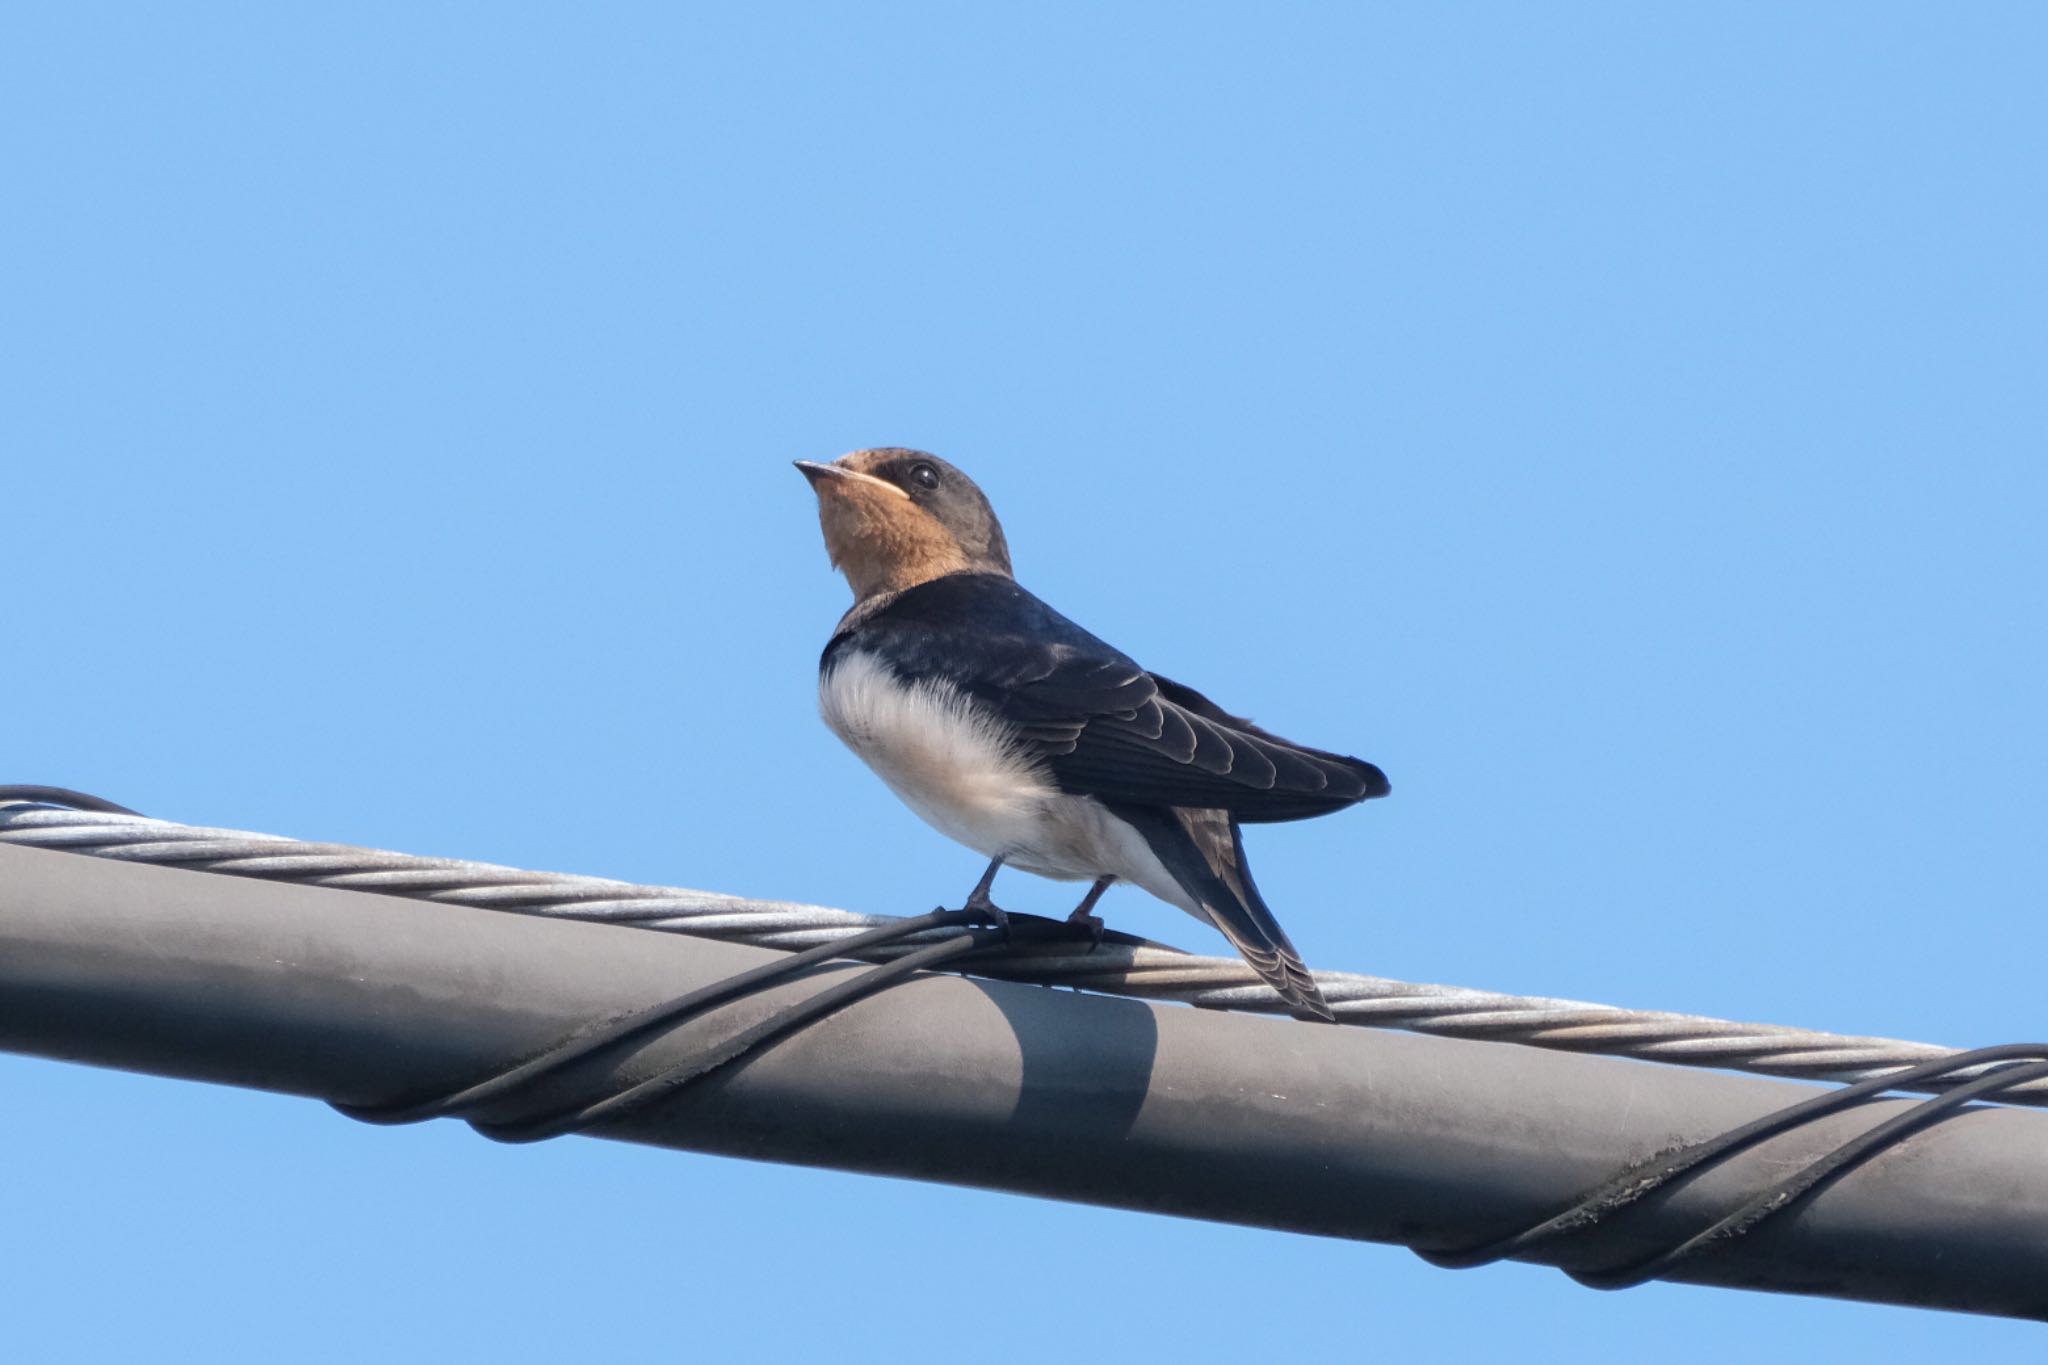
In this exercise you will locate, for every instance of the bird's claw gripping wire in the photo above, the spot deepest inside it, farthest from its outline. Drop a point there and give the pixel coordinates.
(1084, 915)
(986, 913)
(980, 906)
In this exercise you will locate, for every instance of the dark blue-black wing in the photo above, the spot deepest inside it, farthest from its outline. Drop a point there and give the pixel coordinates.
(1104, 726)
(1126, 735)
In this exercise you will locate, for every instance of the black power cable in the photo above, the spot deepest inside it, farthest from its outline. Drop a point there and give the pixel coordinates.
(2010, 1065)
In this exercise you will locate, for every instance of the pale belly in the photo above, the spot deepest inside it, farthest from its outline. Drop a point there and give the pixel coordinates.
(968, 776)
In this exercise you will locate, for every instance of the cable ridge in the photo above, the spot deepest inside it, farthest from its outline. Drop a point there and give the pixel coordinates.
(1122, 964)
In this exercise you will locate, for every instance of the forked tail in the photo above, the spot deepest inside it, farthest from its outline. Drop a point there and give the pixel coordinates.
(1205, 853)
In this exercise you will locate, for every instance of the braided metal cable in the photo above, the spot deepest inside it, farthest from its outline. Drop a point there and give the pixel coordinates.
(1121, 965)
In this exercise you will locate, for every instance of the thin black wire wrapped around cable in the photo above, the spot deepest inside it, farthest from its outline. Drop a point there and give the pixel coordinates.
(589, 1042)
(2015, 1063)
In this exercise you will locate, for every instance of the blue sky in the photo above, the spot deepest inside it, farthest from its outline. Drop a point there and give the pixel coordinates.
(1622, 423)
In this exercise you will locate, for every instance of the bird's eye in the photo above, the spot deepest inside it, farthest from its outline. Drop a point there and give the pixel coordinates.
(924, 476)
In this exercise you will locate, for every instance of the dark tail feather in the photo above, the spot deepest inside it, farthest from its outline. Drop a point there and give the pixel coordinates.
(1205, 853)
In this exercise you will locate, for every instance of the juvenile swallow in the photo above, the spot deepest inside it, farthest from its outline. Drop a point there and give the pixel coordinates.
(1011, 729)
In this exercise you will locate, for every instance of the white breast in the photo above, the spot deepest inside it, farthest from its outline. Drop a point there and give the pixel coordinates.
(965, 771)
(951, 761)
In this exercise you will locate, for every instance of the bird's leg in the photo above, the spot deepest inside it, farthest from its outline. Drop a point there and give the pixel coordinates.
(979, 902)
(1084, 913)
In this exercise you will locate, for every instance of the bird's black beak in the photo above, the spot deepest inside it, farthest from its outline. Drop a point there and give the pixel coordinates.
(846, 484)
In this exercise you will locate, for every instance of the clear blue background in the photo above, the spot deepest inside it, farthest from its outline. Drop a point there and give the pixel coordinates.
(1624, 423)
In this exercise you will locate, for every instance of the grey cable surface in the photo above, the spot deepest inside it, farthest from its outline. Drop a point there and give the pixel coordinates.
(1120, 966)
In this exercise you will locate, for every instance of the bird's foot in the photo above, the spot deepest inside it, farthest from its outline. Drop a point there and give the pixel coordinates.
(1084, 916)
(1089, 923)
(984, 910)
(987, 912)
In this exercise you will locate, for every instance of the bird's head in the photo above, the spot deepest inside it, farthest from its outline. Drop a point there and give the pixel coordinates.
(894, 518)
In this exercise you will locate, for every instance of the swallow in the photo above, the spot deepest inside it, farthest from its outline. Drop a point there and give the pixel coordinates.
(1014, 731)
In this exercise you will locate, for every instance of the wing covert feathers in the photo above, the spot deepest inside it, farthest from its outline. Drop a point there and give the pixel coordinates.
(1105, 726)
(1110, 729)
